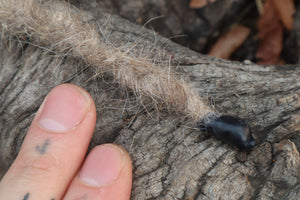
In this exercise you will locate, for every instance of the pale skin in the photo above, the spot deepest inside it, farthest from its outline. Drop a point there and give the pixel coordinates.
(52, 162)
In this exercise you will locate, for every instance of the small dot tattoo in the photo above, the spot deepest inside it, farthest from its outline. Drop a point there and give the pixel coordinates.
(42, 149)
(26, 196)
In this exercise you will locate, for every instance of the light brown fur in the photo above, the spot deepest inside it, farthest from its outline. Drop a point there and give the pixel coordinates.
(54, 25)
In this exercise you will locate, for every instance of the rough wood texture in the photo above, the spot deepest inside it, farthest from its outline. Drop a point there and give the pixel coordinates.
(171, 159)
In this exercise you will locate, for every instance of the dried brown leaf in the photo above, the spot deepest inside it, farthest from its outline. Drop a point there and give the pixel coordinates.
(286, 10)
(229, 42)
(271, 35)
(199, 3)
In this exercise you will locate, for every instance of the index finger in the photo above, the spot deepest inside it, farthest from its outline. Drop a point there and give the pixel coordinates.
(54, 147)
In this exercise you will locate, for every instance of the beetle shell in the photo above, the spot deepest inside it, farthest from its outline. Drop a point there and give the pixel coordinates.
(231, 130)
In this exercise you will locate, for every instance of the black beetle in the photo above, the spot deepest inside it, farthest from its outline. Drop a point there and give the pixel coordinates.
(231, 130)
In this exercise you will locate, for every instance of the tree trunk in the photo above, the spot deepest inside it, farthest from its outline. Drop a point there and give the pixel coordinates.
(171, 158)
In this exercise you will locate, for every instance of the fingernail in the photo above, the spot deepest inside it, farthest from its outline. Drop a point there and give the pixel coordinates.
(102, 166)
(64, 108)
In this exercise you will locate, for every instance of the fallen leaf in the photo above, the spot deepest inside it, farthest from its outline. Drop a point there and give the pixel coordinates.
(271, 36)
(286, 10)
(229, 42)
(195, 4)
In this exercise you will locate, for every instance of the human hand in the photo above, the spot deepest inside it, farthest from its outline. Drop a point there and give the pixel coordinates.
(51, 165)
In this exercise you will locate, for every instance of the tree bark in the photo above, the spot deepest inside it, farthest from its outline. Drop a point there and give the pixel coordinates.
(171, 158)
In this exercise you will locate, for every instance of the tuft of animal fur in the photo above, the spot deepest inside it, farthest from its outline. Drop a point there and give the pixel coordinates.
(59, 28)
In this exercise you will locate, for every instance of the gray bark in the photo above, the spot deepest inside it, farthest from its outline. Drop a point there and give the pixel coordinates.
(171, 158)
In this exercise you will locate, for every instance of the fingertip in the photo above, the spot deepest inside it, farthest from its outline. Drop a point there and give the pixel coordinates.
(105, 174)
(64, 108)
(102, 166)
